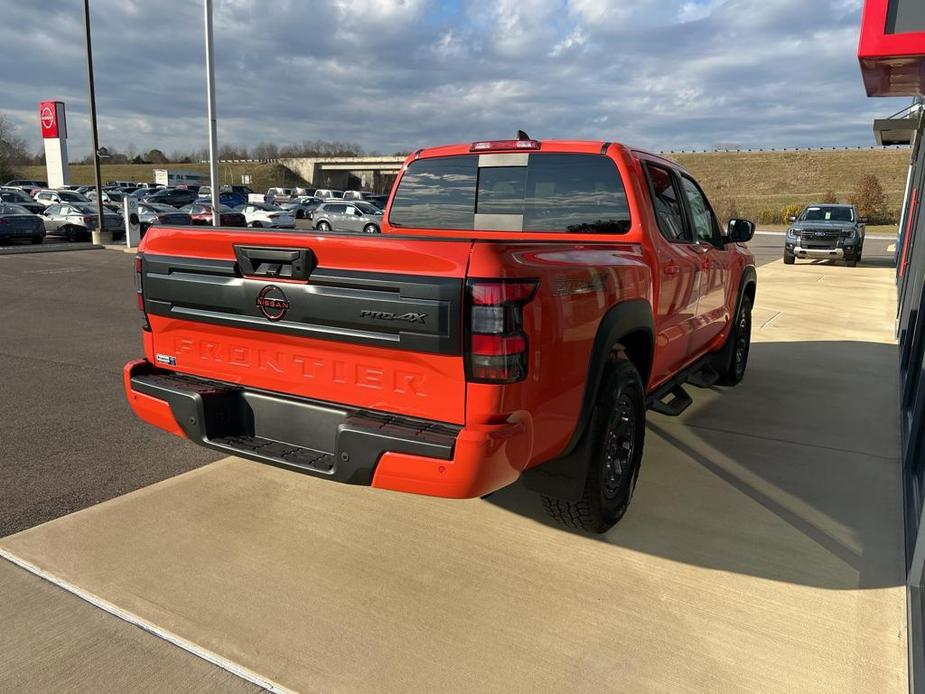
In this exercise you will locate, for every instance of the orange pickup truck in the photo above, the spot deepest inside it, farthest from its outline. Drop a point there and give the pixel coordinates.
(524, 305)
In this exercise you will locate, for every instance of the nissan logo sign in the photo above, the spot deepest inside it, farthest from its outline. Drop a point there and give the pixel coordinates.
(272, 303)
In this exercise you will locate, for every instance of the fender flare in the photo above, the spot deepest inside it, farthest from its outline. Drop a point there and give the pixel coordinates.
(564, 476)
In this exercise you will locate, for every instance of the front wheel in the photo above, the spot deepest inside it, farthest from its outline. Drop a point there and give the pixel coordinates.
(257, 225)
(371, 229)
(36, 240)
(741, 337)
(323, 226)
(618, 430)
(789, 258)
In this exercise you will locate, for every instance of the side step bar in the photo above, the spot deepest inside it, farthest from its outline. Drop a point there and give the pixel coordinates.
(680, 401)
(701, 374)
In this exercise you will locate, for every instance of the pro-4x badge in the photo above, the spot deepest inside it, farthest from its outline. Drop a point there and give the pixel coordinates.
(272, 302)
(410, 317)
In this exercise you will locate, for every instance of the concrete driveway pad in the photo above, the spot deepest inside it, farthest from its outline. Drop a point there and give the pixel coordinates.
(762, 552)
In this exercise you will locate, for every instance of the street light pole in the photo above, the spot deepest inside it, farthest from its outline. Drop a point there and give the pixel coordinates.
(213, 138)
(100, 235)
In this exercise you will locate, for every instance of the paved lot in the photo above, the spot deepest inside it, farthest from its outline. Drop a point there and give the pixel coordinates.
(52, 641)
(69, 439)
(762, 552)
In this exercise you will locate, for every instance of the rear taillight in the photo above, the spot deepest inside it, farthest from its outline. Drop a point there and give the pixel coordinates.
(89, 220)
(498, 345)
(139, 289)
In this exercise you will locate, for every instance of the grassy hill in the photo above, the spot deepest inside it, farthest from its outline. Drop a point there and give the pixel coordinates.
(768, 181)
(748, 182)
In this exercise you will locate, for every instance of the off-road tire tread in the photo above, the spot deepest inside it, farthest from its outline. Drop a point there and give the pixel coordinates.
(585, 514)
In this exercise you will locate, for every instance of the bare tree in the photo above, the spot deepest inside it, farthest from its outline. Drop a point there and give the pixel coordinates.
(13, 150)
(266, 150)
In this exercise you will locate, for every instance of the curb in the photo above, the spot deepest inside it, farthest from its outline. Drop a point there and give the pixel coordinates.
(120, 247)
(53, 248)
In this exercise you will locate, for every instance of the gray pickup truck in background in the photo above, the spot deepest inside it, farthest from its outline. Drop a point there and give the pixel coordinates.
(825, 231)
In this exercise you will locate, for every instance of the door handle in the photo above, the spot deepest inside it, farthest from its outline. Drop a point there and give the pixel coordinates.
(282, 263)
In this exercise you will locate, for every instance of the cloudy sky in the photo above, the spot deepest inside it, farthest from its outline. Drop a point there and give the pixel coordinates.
(394, 75)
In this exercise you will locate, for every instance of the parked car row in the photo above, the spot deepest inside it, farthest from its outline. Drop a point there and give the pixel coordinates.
(71, 210)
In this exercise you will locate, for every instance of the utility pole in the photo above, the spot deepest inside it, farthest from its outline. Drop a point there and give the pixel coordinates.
(213, 138)
(100, 235)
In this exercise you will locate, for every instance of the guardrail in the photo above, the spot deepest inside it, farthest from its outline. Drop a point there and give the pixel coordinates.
(742, 150)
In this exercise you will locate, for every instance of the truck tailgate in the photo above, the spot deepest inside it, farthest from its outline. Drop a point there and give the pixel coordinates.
(368, 321)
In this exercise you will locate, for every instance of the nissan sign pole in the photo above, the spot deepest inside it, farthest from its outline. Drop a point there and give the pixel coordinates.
(213, 140)
(54, 139)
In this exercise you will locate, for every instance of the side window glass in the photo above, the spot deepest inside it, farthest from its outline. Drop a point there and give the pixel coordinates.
(666, 203)
(701, 215)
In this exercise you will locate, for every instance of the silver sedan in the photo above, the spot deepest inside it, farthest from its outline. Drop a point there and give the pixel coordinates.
(348, 216)
(78, 220)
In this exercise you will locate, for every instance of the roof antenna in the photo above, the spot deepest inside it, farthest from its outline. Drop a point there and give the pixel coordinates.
(521, 135)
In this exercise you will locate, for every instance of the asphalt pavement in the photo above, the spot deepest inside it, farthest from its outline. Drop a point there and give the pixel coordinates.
(69, 439)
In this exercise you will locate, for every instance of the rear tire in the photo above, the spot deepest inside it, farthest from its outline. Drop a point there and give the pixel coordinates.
(618, 430)
(71, 233)
(852, 263)
(789, 258)
(257, 225)
(741, 336)
(36, 240)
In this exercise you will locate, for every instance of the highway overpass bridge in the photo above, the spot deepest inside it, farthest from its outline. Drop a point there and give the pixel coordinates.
(365, 173)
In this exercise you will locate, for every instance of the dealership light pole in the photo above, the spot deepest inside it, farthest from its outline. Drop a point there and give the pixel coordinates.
(100, 235)
(213, 139)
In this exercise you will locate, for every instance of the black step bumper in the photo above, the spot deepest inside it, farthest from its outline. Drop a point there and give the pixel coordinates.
(336, 442)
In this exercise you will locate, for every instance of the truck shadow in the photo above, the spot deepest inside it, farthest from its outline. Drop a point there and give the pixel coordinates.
(792, 476)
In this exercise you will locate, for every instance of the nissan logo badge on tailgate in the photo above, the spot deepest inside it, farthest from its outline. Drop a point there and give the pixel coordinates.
(272, 302)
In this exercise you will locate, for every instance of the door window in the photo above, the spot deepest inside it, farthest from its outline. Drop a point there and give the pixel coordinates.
(702, 220)
(667, 204)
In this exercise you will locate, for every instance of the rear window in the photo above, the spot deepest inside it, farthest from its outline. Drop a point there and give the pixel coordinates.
(539, 192)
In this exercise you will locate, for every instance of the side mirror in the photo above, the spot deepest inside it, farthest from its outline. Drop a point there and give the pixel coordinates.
(792, 218)
(739, 231)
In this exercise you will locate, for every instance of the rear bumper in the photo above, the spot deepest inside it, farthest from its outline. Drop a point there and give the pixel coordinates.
(334, 442)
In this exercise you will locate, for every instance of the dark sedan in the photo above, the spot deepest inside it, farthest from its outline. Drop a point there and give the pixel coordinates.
(177, 197)
(17, 223)
(202, 214)
(301, 208)
(151, 213)
(18, 197)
